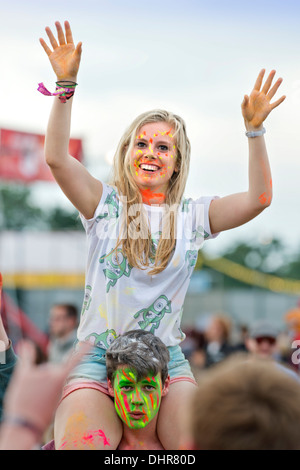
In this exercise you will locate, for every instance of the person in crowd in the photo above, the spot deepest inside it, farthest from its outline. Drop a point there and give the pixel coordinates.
(31, 398)
(262, 343)
(142, 231)
(217, 336)
(137, 381)
(63, 323)
(262, 339)
(8, 357)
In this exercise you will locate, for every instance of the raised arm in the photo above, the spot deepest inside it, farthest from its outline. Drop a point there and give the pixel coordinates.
(237, 209)
(81, 188)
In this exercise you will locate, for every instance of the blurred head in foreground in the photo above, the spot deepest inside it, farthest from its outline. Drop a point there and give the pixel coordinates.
(246, 405)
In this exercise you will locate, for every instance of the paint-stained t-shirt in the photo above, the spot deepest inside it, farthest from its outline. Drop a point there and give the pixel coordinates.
(119, 297)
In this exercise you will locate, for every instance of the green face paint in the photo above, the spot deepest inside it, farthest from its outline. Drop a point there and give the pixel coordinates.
(136, 402)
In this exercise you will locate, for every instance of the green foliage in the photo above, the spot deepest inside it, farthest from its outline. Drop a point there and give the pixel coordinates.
(269, 256)
(19, 212)
(59, 219)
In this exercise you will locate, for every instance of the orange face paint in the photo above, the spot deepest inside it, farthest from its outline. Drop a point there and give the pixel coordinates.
(150, 197)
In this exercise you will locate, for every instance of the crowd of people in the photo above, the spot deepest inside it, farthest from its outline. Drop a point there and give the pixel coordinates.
(247, 397)
(127, 383)
(219, 338)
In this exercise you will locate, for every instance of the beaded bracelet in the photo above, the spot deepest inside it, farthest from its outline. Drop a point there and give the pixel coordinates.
(252, 134)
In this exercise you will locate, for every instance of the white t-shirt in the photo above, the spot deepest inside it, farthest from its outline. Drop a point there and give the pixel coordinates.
(118, 297)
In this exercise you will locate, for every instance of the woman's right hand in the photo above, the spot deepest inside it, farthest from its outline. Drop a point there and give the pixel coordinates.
(65, 57)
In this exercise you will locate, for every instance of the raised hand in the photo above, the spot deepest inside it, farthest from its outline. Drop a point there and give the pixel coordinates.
(65, 57)
(257, 106)
(34, 391)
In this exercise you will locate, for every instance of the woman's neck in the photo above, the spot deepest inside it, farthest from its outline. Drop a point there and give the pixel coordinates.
(151, 197)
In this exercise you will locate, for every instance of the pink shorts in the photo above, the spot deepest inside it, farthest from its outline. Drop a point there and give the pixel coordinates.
(91, 372)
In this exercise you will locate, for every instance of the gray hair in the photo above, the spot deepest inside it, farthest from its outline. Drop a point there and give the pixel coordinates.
(139, 350)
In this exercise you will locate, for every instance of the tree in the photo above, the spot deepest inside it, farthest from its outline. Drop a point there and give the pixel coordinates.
(18, 212)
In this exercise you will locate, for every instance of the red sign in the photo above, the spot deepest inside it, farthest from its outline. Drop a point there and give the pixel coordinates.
(22, 156)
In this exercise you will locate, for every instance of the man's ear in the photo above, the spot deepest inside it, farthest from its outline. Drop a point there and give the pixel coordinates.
(166, 387)
(110, 388)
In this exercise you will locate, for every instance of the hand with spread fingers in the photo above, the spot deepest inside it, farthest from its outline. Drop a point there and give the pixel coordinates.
(32, 396)
(65, 57)
(257, 106)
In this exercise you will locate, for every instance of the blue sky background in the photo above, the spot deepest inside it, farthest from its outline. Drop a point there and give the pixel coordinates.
(196, 58)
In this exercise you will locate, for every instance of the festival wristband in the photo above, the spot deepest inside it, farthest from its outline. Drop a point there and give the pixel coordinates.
(255, 133)
(66, 83)
(63, 92)
(22, 422)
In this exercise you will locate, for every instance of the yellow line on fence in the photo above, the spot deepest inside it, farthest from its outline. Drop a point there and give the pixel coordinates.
(51, 280)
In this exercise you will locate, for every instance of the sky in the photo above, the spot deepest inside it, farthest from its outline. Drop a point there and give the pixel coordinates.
(192, 57)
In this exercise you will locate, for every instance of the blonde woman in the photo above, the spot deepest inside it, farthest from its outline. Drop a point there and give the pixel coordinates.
(143, 239)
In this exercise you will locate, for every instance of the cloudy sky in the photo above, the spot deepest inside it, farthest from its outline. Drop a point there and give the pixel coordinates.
(194, 57)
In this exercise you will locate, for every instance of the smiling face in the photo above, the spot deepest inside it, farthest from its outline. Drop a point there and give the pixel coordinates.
(153, 160)
(137, 401)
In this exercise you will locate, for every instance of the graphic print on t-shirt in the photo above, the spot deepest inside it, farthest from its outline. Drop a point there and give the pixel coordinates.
(103, 340)
(191, 258)
(154, 313)
(110, 208)
(116, 266)
(87, 299)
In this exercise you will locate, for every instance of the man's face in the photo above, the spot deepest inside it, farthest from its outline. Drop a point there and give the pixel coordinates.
(60, 323)
(137, 401)
(263, 346)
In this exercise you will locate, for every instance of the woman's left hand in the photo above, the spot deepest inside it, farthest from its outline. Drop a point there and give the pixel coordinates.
(257, 106)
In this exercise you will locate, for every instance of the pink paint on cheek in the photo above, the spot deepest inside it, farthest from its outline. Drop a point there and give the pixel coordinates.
(126, 402)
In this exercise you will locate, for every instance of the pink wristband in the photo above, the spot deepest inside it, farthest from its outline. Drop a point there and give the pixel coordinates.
(64, 93)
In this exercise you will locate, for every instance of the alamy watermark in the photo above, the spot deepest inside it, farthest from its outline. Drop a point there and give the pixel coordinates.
(120, 220)
(296, 354)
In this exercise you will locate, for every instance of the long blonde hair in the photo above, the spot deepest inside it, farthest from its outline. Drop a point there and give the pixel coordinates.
(139, 250)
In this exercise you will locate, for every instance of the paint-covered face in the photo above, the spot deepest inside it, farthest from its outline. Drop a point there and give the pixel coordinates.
(136, 401)
(153, 160)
